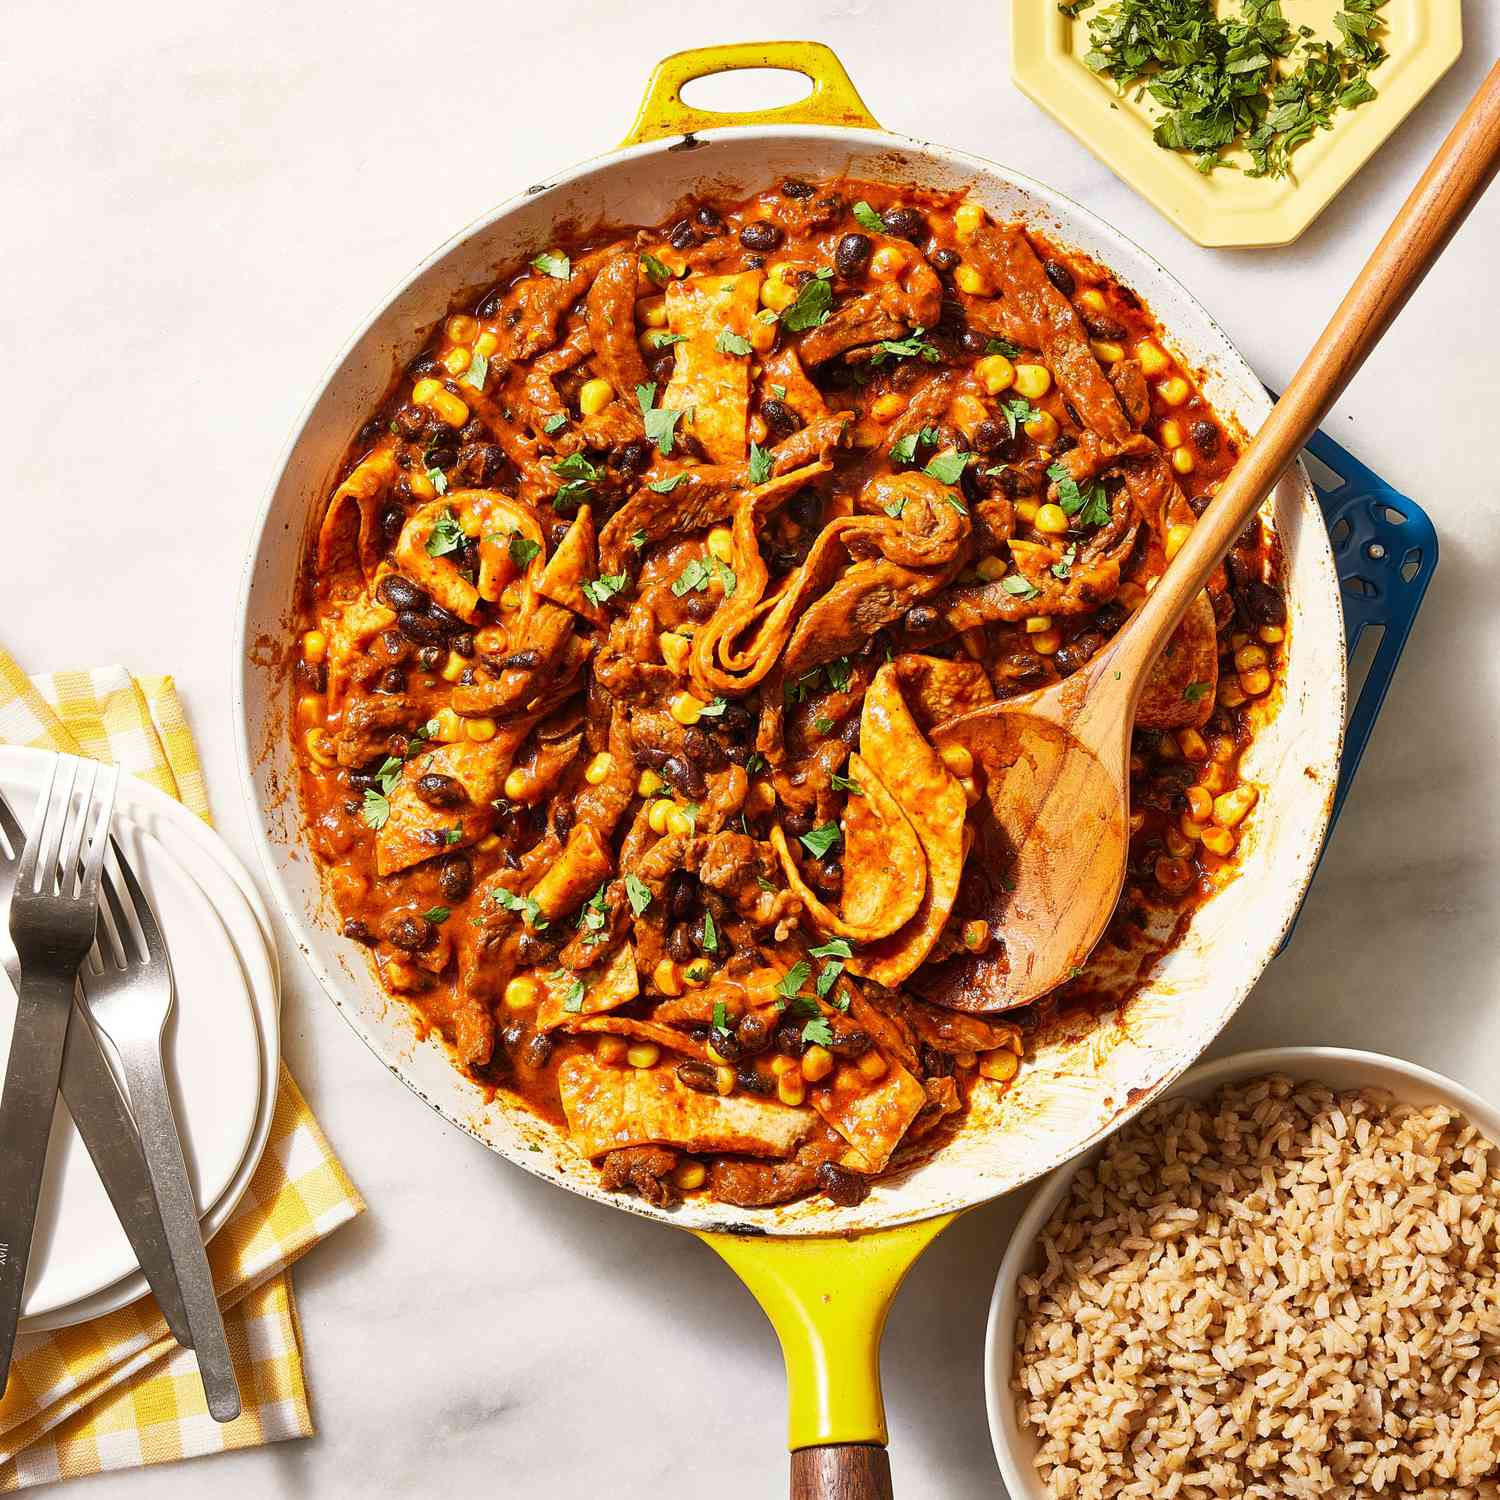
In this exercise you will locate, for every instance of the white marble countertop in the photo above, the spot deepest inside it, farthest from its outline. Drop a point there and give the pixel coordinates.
(200, 203)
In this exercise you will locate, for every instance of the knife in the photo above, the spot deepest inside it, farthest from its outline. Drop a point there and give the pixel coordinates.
(87, 1084)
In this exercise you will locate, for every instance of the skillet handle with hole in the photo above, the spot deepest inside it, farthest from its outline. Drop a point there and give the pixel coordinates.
(827, 1299)
(833, 101)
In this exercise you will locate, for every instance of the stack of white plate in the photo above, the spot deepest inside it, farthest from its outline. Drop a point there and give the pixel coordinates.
(222, 1047)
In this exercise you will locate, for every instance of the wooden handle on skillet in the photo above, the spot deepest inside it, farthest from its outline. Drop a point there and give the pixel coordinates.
(843, 1471)
(1449, 188)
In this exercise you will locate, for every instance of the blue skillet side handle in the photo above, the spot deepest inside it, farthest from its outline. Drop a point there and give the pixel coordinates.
(1386, 550)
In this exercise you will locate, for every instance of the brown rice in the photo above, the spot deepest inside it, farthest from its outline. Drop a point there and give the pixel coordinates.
(1284, 1291)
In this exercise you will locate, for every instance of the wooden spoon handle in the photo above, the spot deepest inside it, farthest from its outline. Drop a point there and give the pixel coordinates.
(1449, 188)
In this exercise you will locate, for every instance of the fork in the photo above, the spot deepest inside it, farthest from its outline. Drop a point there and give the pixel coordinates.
(130, 993)
(103, 1120)
(54, 910)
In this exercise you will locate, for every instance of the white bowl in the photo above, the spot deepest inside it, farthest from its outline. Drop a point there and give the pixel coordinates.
(1339, 1067)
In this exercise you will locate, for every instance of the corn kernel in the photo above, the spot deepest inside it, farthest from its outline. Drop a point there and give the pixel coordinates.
(456, 361)
(450, 728)
(1218, 841)
(1174, 390)
(461, 328)
(997, 373)
(688, 1176)
(1106, 351)
(510, 598)
(887, 263)
(1190, 828)
(314, 646)
(1213, 778)
(666, 978)
(320, 747)
(519, 786)
(649, 784)
(968, 220)
(685, 708)
(965, 1060)
(679, 822)
(1192, 744)
(1048, 643)
(1272, 635)
(656, 818)
(1176, 536)
(1033, 381)
(1183, 460)
(697, 973)
(781, 1064)
(1171, 433)
(989, 567)
(610, 1050)
(310, 708)
(486, 344)
(1173, 874)
(1224, 749)
(968, 412)
(479, 730)
(1151, 357)
(1230, 809)
(1230, 694)
(675, 650)
(1042, 428)
(1026, 511)
(872, 1066)
(1038, 624)
(999, 1066)
(957, 758)
(975, 935)
(450, 408)
(400, 976)
(1052, 519)
(1247, 658)
(884, 408)
(790, 1088)
(652, 311)
(643, 1054)
(1177, 846)
(1255, 683)
(424, 390)
(453, 668)
(594, 395)
(721, 543)
(776, 294)
(598, 768)
(967, 279)
(1238, 639)
(421, 486)
(1093, 299)
(817, 1063)
(520, 993)
(724, 1079)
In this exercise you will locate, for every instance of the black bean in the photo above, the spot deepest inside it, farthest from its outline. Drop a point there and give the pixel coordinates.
(753, 1082)
(685, 776)
(788, 1039)
(391, 682)
(430, 658)
(424, 364)
(1060, 277)
(1100, 327)
(761, 235)
(905, 223)
(392, 519)
(1076, 652)
(701, 1077)
(456, 876)
(799, 821)
(841, 1186)
(563, 819)
(794, 187)
(398, 593)
(410, 934)
(462, 644)
(489, 304)
(534, 948)
(513, 1034)
(848, 1040)
(709, 219)
(312, 675)
(753, 1034)
(754, 262)
(538, 1050)
(682, 235)
(779, 417)
(852, 254)
(410, 422)
(700, 607)
(448, 623)
(358, 931)
(632, 457)
(440, 791)
(661, 368)
(421, 628)
(944, 258)
(1110, 617)
(682, 894)
(1206, 436)
(480, 464)
(441, 458)
(988, 436)
(736, 722)
(935, 1064)
(702, 749)
(1265, 604)
(680, 943)
(921, 617)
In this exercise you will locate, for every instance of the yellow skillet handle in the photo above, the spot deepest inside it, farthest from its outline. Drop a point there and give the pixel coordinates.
(833, 101)
(828, 1299)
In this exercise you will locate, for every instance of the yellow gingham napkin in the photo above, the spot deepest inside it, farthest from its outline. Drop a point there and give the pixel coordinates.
(118, 1392)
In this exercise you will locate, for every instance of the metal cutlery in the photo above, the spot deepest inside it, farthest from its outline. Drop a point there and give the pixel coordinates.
(104, 1122)
(128, 986)
(53, 914)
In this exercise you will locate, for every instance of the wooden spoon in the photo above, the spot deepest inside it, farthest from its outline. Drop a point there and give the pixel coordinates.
(1051, 845)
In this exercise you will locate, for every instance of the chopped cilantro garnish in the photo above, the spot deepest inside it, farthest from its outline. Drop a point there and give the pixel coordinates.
(523, 549)
(376, 810)
(794, 978)
(729, 342)
(1002, 346)
(659, 338)
(551, 263)
(820, 840)
(529, 911)
(822, 725)
(818, 1032)
(693, 579)
(638, 893)
(914, 347)
(760, 464)
(573, 999)
(655, 270)
(845, 784)
(446, 536)
(637, 539)
(867, 218)
(833, 948)
(1089, 503)
(726, 578)
(438, 914)
(828, 976)
(714, 710)
(947, 468)
(477, 373)
(838, 672)
(1064, 567)
(605, 587)
(555, 423)
(812, 305)
(1018, 411)
(578, 475)
(710, 934)
(452, 836)
(1022, 588)
(1194, 691)
(667, 485)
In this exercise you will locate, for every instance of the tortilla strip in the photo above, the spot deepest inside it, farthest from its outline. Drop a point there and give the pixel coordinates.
(584, 864)
(885, 870)
(414, 831)
(571, 566)
(350, 533)
(784, 372)
(352, 629)
(939, 688)
(479, 767)
(607, 1108)
(712, 388)
(498, 519)
(872, 1120)
(931, 797)
(617, 984)
(668, 1038)
(610, 311)
(1189, 660)
(438, 575)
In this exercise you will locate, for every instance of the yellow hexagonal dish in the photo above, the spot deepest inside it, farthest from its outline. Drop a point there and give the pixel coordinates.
(1227, 208)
